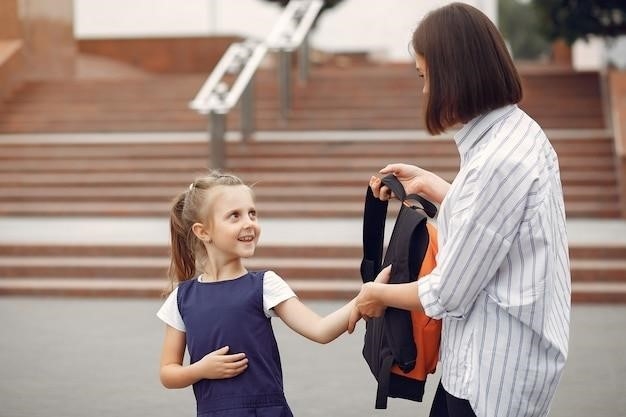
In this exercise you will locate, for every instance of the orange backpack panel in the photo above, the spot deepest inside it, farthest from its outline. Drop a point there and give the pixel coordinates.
(426, 331)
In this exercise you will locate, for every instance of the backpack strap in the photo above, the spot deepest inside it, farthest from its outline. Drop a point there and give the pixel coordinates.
(374, 217)
(384, 382)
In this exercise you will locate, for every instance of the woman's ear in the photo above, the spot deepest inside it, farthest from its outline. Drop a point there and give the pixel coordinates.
(202, 232)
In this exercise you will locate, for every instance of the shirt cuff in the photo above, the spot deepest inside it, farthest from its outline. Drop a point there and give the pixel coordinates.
(429, 299)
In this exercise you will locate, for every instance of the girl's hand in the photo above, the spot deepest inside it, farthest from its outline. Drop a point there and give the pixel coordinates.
(219, 365)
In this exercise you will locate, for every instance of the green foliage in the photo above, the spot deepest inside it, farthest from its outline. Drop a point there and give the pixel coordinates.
(519, 24)
(571, 20)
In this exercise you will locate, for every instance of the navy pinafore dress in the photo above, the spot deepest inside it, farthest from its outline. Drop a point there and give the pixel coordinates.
(230, 313)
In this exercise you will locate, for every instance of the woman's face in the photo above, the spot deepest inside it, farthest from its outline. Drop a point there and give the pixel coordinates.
(420, 66)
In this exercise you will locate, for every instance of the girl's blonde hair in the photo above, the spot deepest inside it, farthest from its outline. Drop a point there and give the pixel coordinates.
(190, 207)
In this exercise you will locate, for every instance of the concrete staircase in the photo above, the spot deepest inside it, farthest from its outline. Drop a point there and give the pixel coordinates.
(293, 177)
(354, 98)
(139, 179)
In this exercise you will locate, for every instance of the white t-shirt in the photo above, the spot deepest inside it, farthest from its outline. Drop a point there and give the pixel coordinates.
(275, 291)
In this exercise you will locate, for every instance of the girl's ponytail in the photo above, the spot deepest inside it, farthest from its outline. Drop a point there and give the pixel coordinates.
(182, 259)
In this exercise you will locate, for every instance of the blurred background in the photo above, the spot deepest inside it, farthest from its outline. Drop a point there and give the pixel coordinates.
(108, 109)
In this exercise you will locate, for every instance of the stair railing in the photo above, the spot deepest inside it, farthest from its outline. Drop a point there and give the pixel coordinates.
(291, 33)
(217, 97)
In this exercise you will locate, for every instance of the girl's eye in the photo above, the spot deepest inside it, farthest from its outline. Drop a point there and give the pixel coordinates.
(253, 214)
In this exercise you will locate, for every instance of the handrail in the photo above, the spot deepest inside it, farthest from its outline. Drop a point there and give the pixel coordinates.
(212, 95)
(216, 98)
(294, 24)
(246, 74)
(291, 33)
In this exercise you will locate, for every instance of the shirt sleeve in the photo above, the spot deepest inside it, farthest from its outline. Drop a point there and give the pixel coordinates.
(275, 291)
(486, 214)
(169, 312)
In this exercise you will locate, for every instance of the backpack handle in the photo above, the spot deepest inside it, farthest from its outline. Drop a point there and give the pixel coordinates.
(396, 187)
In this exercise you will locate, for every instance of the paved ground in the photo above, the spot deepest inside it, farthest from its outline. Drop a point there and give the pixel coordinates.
(99, 357)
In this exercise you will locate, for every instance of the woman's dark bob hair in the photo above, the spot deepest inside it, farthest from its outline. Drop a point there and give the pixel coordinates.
(468, 67)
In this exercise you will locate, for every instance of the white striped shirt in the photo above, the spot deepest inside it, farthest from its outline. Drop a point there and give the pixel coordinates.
(502, 282)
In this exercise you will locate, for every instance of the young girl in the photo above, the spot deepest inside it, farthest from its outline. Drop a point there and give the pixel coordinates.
(221, 312)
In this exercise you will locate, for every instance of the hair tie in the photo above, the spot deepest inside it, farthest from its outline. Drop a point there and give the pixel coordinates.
(191, 186)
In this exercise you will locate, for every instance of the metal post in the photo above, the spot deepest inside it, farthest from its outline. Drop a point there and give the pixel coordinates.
(247, 111)
(284, 75)
(218, 128)
(303, 60)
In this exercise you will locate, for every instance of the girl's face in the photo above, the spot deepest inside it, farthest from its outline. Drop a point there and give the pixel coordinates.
(420, 66)
(234, 229)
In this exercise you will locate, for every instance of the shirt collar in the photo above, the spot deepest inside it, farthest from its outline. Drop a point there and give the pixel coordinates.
(474, 130)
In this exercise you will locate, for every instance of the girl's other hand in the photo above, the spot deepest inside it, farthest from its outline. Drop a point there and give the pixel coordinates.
(219, 365)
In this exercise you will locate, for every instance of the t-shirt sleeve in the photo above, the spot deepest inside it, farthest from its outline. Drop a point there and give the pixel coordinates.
(275, 291)
(169, 312)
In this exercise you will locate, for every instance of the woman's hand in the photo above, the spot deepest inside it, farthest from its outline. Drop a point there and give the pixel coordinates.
(415, 180)
(384, 275)
(219, 365)
(366, 304)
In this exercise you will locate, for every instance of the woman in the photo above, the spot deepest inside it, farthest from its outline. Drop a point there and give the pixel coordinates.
(502, 283)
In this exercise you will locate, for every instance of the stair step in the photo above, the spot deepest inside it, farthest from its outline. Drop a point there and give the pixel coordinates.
(262, 193)
(320, 289)
(598, 292)
(603, 270)
(578, 252)
(146, 267)
(267, 209)
(597, 146)
(153, 288)
(255, 164)
(156, 251)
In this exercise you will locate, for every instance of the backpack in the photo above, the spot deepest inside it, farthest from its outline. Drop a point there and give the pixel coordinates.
(401, 347)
